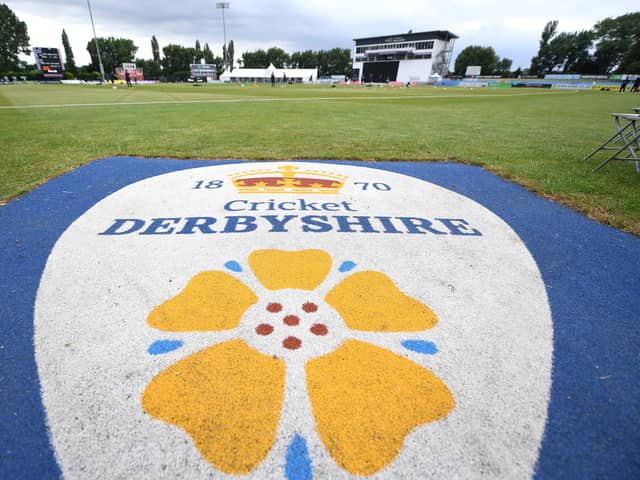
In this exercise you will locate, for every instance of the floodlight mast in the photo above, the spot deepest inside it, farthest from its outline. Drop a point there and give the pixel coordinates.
(223, 6)
(97, 46)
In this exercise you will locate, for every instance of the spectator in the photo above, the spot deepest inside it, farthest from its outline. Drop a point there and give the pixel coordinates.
(623, 85)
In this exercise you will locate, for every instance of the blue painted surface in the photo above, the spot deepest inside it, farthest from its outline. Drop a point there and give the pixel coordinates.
(591, 273)
(31, 226)
(420, 346)
(347, 266)
(160, 347)
(298, 463)
(233, 266)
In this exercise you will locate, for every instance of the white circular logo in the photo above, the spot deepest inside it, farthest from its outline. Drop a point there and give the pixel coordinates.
(292, 320)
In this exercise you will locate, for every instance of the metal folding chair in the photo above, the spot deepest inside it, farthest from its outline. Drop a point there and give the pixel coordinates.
(625, 143)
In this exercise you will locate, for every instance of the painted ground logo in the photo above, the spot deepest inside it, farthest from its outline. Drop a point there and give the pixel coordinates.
(282, 321)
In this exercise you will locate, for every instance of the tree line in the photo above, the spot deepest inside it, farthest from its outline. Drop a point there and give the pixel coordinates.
(172, 62)
(611, 46)
(336, 61)
(484, 57)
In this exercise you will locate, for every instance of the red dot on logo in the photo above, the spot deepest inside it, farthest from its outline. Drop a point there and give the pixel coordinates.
(292, 343)
(274, 307)
(264, 329)
(319, 329)
(291, 320)
(310, 307)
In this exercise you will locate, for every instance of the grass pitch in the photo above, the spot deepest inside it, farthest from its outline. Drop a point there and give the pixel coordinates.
(536, 138)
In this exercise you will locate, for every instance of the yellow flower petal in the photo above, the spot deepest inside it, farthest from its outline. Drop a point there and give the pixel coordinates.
(210, 301)
(278, 269)
(366, 400)
(371, 301)
(228, 398)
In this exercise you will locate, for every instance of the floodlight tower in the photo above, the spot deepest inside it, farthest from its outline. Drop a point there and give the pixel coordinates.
(97, 46)
(223, 6)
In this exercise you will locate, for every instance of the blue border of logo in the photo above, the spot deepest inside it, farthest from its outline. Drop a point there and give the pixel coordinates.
(591, 273)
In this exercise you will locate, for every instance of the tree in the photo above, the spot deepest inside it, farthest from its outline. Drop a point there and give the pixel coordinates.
(336, 61)
(114, 51)
(231, 51)
(577, 56)
(484, 57)
(555, 53)
(566, 53)
(630, 61)
(278, 57)
(198, 53)
(261, 59)
(616, 48)
(87, 73)
(305, 59)
(217, 61)
(14, 39)
(151, 68)
(155, 49)
(503, 67)
(548, 33)
(617, 40)
(177, 60)
(255, 59)
(225, 57)
(70, 64)
(207, 54)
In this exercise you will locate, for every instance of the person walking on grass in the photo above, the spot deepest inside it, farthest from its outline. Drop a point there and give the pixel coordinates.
(273, 80)
(623, 85)
(636, 85)
(127, 77)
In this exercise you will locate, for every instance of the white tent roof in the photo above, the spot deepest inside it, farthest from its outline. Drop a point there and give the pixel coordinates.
(303, 73)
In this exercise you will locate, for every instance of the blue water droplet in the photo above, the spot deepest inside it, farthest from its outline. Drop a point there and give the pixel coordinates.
(347, 266)
(298, 463)
(420, 346)
(233, 266)
(164, 346)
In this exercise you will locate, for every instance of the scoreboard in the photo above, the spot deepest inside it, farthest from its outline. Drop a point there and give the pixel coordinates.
(49, 61)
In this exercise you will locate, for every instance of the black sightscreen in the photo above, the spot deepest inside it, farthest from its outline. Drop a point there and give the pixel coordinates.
(380, 72)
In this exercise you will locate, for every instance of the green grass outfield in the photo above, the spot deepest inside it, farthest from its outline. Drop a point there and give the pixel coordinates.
(534, 137)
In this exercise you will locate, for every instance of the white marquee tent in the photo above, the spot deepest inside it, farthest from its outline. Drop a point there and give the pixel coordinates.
(304, 75)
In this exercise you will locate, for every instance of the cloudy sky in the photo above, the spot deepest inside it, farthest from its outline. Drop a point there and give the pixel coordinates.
(511, 27)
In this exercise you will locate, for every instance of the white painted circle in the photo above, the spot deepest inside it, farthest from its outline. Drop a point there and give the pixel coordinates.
(494, 333)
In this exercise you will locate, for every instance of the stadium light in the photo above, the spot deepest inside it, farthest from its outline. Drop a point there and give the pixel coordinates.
(97, 46)
(223, 6)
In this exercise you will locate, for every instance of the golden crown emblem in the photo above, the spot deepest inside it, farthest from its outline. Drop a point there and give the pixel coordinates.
(288, 179)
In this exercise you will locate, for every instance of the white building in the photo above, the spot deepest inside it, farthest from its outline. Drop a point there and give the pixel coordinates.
(250, 75)
(408, 57)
